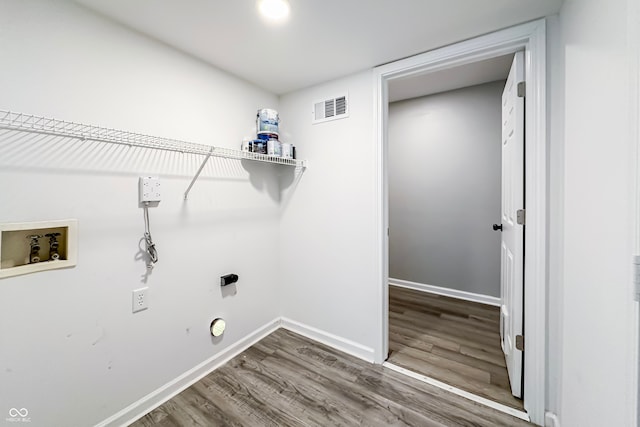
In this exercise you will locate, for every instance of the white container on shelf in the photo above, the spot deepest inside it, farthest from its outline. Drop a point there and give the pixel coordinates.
(287, 151)
(247, 144)
(267, 121)
(274, 148)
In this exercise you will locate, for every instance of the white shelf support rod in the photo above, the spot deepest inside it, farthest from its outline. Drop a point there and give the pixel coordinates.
(195, 178)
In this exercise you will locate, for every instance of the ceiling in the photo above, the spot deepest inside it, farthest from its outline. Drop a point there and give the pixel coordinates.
(322, 40)
(476, 73)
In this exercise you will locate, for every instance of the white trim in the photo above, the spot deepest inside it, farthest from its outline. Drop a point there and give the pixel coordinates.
(551, 420)
(459, 392)
(381, 219)
(157, 397)
(531, 38)
(339, 343)
(535, 288)
(447, 292)
(633, 24)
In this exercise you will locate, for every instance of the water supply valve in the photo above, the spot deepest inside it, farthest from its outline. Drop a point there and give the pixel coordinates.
(53, 246)
(34, 248)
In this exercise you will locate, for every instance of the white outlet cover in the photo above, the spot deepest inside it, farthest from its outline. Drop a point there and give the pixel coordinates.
(140, 299)
(149, 189)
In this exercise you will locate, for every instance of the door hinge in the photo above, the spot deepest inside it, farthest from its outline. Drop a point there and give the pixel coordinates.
(520, 342)
(636, 276)
(522, 89)
(521, 216)
(388, 232)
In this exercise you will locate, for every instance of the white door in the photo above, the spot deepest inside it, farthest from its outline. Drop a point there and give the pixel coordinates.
(512, 245)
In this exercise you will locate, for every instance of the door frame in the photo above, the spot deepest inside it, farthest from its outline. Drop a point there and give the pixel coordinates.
(530, 38)
(633, 24)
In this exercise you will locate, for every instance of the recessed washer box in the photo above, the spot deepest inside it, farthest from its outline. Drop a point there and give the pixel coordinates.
(17, 247)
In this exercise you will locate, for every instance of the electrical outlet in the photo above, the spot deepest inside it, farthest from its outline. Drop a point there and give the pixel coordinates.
(140, 299)
(149, 188)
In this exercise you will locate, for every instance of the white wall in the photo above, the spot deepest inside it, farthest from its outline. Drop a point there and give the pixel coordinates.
(597, 311)
(328, 247)
(71, 351)
(444, 189)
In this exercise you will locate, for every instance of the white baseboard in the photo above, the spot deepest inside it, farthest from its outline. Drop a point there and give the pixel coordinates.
(339, 343)
(448, 292)
(156, 398)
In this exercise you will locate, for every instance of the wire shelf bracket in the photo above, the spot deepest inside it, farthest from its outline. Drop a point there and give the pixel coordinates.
(10, 120)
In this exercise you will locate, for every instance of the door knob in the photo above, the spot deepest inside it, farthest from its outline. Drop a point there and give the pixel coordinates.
(497, 227)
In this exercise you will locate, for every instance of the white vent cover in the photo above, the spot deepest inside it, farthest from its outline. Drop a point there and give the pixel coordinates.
(330, 109)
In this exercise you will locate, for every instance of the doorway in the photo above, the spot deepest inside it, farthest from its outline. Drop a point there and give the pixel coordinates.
(445, 200)
(529, 38)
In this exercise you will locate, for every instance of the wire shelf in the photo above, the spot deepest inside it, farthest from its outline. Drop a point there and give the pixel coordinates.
(10, 120)
(42, 125)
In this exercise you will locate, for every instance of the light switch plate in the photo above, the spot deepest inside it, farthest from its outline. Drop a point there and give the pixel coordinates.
(149, 189)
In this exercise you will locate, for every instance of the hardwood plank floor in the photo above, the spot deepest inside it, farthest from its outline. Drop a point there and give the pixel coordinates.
(454, 341)
(289, 380)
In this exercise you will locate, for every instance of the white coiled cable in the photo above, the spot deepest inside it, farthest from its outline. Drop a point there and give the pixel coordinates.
(151, 247)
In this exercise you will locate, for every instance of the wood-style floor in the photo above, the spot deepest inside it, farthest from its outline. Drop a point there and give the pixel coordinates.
(288, 380)
(454, 341)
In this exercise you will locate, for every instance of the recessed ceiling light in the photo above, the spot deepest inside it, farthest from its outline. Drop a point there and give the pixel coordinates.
(274, 10)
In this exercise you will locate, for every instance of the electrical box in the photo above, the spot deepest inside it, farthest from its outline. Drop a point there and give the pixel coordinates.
(149, 189)
(28, 247)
